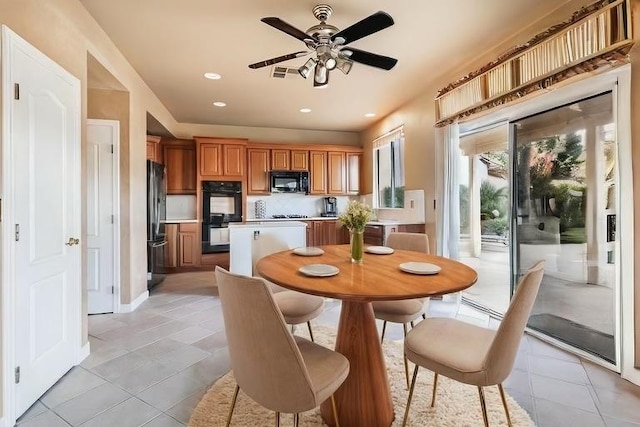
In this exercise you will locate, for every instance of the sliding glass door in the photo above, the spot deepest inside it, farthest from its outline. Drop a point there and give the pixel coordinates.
(564, 211)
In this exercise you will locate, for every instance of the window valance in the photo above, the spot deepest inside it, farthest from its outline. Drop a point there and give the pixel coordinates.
(596, 36)
(387, 138)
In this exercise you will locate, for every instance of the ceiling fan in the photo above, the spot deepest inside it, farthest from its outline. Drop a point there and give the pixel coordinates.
(330, 45)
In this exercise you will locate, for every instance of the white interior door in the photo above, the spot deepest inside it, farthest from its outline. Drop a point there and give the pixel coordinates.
(102, 278)
(42, 182)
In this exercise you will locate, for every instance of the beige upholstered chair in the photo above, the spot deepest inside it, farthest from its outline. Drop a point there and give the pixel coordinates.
(471, 354)
(404, 311)
(297, 307)
(277, 370)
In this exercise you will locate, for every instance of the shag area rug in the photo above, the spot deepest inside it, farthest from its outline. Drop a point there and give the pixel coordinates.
(457, 404)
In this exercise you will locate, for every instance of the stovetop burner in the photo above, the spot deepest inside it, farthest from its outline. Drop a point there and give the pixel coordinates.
(296, 216)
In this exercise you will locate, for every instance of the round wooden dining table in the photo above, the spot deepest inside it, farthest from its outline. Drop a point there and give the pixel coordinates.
(364, 399)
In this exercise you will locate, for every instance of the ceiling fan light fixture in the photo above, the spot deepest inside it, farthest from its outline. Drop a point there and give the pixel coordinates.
(305, 70)
(344, 65)
(321, 76)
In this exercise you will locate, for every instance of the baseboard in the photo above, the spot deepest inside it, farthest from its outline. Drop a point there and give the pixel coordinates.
(84, 352)
(128, 308)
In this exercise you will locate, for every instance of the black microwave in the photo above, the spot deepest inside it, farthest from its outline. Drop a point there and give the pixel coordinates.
(289, 181)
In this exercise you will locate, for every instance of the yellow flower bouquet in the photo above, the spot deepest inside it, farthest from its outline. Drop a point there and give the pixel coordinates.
(355, 217)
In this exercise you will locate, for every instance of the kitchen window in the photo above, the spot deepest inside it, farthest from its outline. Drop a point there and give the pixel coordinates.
(388, 159)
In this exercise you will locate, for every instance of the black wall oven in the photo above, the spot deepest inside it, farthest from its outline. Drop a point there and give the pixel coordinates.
(221, 204)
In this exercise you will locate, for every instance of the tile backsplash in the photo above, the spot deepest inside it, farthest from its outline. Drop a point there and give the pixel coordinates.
(287, 204)
(181, 207)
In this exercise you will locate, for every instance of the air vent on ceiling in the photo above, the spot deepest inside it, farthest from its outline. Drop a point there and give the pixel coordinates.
(279, 72)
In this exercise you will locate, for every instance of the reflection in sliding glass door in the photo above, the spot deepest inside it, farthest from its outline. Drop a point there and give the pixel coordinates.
(565, 212)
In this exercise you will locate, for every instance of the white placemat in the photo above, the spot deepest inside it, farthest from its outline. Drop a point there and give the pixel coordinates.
(379, 250)
(308, 251)
(319, 270)
(419, 268)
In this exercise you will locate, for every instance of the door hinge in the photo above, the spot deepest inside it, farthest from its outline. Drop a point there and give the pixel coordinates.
(16, 91)
(113, 219)
(17, 232)
(111, 148)
(113, 289)
(17, 374)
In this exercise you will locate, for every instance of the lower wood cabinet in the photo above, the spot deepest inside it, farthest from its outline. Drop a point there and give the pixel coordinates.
(377, 234)
(183, 246)
(326, 232)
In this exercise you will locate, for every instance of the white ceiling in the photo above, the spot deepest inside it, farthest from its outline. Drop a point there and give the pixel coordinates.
(171, 44)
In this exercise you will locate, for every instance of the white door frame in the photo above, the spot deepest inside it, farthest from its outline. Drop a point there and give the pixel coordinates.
(115, 124)
(10, 42)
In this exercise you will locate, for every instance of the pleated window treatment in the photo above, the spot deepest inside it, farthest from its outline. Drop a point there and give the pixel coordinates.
(448, 191)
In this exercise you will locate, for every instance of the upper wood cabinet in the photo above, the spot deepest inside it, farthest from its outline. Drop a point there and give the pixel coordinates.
(154, 150)
(258, 171)
(210, 159)
(299, 160)
(318, 172)
(221, 158)
(180, 162)
(280, 159)
(353, 173)
(336, 172)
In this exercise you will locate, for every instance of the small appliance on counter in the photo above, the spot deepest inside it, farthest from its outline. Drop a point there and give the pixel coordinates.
(330, 207)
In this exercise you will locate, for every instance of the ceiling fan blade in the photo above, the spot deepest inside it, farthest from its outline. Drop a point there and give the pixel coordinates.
(275, 60)
(368, 58)
(369, 25)
(279, 24)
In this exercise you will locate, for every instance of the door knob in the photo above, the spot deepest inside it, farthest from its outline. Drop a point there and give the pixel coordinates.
(72, 242)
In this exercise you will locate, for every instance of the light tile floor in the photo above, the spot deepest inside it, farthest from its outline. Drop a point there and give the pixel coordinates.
(152, 366)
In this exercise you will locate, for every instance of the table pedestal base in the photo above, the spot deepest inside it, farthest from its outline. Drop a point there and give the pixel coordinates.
(364, 399)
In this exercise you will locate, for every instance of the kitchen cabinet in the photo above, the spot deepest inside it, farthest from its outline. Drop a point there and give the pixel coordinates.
(318, 172)
(299, 160)
(353, 173)
(170, 259)
(188, 245)
(280, 159)
(326, 232)
(183, 246)
(180, 162)
(258, 171)
(154, 149)
(233, 160)
(336, 172)
(377, 234)
(374, 235)
(221, 158)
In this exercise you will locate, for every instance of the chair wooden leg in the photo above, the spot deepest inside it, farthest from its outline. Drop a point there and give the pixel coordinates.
(384, 328)
(406, 362)
(310, 331)
(484, 407)
(233, 404)
(435, 387)
(277, 419)
(335, 411)
(296, 420)
(413, 385)
(504, 403)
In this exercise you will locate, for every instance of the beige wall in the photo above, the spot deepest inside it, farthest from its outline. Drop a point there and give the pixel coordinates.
(418, 117)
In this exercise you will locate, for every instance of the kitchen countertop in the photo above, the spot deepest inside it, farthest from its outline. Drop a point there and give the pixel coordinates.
(386, 222)
(312, 218)
(268, 224)
(179, 221)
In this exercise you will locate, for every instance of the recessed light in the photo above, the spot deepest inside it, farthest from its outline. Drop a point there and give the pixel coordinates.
(212, 76)
(219, 104)
(370, 115)
(305, 110)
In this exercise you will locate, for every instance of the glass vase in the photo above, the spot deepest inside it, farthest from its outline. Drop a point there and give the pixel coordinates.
(357, 246)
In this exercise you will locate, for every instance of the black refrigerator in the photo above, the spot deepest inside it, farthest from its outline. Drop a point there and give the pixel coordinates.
(156, 215)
